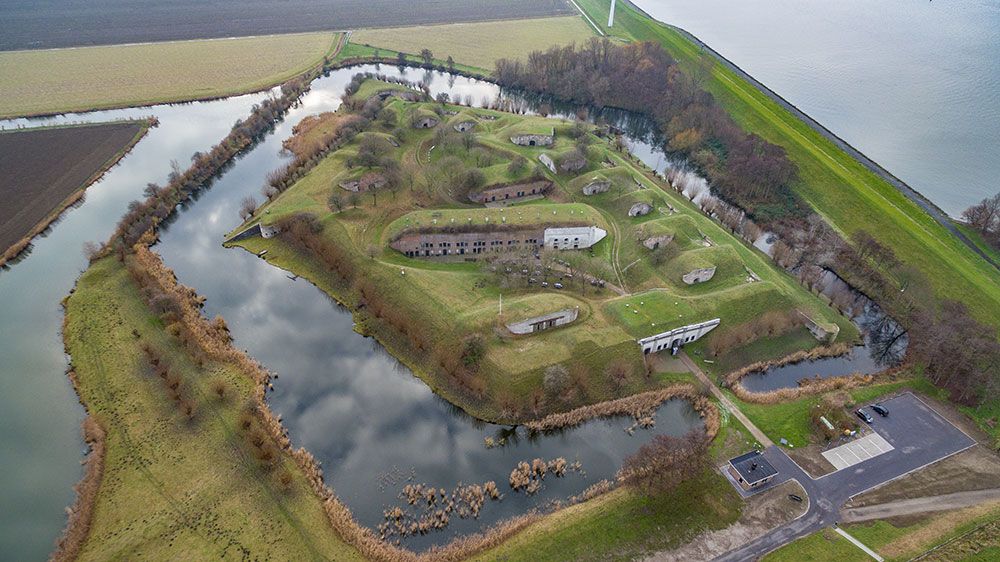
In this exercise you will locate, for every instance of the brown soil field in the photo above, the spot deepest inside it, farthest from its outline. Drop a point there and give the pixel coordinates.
(44, 24)
(43, 171)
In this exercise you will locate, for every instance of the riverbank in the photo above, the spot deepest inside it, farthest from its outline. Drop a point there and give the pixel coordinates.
(187, 451)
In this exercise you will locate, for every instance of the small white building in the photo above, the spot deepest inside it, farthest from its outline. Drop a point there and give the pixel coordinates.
(672, 339)
(573, 237)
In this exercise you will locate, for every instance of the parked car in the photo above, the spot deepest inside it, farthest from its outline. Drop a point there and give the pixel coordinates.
(557, 285)
(880, 410)
(864, 416)
(545, 283)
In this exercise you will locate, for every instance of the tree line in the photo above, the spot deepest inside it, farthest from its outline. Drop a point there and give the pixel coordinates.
(984, 217)
(742, 167)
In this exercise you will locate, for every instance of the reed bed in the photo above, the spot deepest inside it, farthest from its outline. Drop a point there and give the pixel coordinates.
(807, 387)
(81, 513)
(832, 350)
(640, 406)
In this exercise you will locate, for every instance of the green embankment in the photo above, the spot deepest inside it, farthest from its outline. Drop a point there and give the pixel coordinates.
(845, 193)
(175, 488)
(451, 300)
(625, 524)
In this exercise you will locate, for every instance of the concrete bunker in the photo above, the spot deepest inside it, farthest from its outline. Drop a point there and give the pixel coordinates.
(544, 322)
(640, 209)
(700, 275)
(654, 242)
(597, 185)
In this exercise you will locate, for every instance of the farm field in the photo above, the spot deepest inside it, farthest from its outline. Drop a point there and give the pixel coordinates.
(38, 24)
(178, 486)
(479, 44)
(845, 193)
(456, 300)
(79, 79)
(44, 170)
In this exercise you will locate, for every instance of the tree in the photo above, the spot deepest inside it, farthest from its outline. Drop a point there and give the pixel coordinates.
(661, 465)
(427, 56)
(451, 64)
(401, 58)
(335, 202)
(248, 206)
(517, 165)
(473, 351)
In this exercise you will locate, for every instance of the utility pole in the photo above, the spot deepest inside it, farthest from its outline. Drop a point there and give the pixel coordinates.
(611, 16)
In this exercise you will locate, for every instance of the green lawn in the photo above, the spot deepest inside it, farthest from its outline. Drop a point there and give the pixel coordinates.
(453, 299)
(624, 525)
(478, 44)
(840, 189)
(822, 546)
(86, 78)
(791, 419)
(175, 488)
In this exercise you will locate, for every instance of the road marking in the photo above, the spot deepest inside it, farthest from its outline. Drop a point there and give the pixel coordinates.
(859, 544)
(867, 447)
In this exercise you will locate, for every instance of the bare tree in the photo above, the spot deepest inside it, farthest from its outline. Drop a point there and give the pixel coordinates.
(248, 206)
(661, 465)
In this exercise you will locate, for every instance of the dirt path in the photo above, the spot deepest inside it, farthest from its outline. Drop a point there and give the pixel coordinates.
(921, 505)
(727, 403)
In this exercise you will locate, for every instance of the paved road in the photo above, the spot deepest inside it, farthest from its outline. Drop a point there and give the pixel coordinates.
(919, 436)
(921, 505)
(757, 434)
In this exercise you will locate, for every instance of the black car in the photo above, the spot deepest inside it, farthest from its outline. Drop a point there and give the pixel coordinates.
(864, 416)
(880, 410)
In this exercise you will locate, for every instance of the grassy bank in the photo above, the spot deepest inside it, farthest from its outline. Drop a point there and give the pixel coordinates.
(478, 44)
(174, 486)
(624, 524)
(964, 534)
(845, 193)
(86, 78)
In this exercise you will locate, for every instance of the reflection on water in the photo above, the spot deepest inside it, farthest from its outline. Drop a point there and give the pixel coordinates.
(40, 446)
(372, 424)
(884, 346)
(366, 418)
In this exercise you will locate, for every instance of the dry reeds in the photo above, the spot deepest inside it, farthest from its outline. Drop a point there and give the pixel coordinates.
(806, 387)
(82, 511)
(832, 350)
(640, 406)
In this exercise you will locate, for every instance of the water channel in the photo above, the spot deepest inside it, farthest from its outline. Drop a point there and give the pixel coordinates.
(373, 425)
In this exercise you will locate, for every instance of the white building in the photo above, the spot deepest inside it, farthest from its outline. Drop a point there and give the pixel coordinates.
(677, 337)
(573, 237)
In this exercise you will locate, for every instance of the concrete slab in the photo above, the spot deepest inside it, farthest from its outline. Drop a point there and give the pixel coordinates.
(859, 450)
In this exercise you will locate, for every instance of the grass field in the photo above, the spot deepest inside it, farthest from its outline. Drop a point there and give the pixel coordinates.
(841, 190)
(624, 524)
(85, 78)
(479, 44)
(175, 488)
(46, 169)
(450, 300)
(964, 534)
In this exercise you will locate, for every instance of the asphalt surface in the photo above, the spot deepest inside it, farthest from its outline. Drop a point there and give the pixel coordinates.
(943, 502)
(919, 437)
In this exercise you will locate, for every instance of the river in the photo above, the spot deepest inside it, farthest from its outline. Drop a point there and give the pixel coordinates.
(914, 85)
(372, 424)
